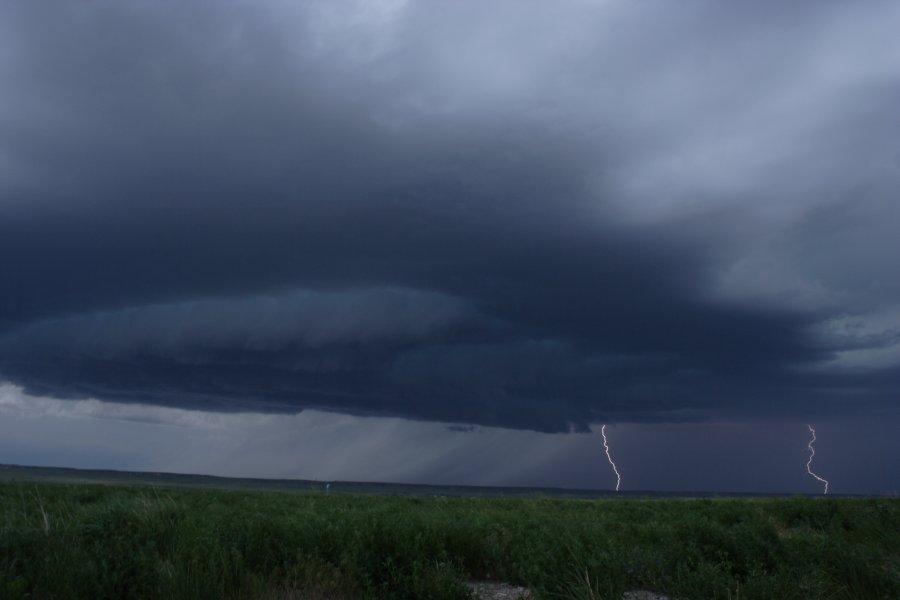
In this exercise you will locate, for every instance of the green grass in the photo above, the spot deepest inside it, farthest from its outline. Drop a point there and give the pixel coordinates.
(88, 541)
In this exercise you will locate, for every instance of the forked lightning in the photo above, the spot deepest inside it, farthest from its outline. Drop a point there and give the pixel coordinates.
(812, 453)
(609, 458)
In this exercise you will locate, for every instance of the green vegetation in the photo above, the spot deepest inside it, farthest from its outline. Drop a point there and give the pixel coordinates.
(89, 541)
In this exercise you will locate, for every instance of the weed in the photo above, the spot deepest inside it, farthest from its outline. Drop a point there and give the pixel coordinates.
(86, 541)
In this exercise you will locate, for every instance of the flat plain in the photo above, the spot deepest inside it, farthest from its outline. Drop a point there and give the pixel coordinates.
(64, 535)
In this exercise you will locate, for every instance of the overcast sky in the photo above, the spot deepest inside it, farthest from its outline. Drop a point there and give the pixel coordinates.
(315, 239)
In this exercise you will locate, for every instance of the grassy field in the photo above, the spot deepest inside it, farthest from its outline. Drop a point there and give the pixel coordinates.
(92, 541)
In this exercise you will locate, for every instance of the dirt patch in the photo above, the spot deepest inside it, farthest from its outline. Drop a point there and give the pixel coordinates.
(491, 590)
(643, 595)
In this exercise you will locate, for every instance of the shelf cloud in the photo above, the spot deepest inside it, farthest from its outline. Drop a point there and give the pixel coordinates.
(515, 214)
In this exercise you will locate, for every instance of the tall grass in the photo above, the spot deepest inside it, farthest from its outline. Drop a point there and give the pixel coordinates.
(63, 541)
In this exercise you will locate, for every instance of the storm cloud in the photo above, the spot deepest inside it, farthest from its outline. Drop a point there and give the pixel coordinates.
(521, 214)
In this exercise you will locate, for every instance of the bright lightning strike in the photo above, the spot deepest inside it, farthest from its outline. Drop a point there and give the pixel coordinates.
(609, 458)
(812, 453)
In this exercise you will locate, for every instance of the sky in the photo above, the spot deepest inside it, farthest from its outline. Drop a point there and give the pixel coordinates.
(445, 242)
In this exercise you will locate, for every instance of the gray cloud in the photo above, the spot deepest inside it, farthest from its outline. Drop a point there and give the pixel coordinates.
(520, 214)
(311, 319)
(749, 456)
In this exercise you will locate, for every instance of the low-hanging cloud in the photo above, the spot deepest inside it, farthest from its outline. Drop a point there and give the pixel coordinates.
(306, 319)
(610, 210)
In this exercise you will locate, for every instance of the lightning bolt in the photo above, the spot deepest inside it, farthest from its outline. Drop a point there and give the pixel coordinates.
(609, 458)
(812, 453)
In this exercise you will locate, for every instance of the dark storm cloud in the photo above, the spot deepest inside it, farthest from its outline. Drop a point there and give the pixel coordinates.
(520, 215)
(313, 319)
